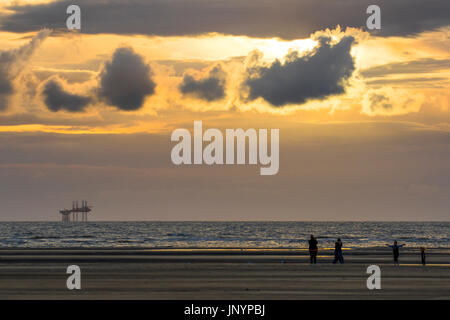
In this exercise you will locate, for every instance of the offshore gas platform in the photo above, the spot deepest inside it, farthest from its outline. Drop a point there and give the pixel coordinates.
(68, 215)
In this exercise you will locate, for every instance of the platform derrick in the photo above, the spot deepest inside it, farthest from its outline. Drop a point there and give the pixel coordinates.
(76, 213)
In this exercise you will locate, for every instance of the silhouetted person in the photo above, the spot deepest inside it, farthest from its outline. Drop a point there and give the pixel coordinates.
(338, 256)
(313, 250)
(422, 255)
(395, 251)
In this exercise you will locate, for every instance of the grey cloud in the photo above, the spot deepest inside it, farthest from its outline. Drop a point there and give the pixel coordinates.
(56, 98)
(287, 19)
(10, 65)
(125, 81)
(316, 75)
(210, 88)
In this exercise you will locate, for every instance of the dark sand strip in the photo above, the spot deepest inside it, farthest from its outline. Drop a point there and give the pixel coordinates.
(223, 274)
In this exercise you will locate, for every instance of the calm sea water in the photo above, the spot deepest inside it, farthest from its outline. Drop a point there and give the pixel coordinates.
(220, 234)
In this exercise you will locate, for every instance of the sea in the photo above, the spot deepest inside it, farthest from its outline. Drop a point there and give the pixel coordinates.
(188, 234)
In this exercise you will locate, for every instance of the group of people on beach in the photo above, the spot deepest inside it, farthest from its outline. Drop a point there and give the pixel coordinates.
(338, 256)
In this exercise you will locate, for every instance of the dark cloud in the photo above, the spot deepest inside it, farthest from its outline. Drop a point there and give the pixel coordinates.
(210, 88)
(316, 75)
(287, 19)
(56, 98)
(11, 66)
(125, 81)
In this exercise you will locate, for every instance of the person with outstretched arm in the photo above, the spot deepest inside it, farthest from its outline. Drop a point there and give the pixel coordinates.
(313, 249)
(395, 250)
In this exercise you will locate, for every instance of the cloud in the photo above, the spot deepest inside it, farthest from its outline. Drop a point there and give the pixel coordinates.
(6, 89)
(288, 19)
(378, 101)
(424, 65)
(71, 76)
(316, 75)
(210, 88)
(11, 65)
(415, 82)
(125, 81)
(56, 98)
(386, 101)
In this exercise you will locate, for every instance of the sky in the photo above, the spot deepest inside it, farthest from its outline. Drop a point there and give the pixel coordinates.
(88, 115)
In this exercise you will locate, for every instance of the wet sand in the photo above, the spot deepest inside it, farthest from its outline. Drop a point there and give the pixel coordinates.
(220, 274)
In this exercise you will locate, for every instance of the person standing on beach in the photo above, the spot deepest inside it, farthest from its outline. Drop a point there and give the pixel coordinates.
(422, 255)
(338, 256)
(313, 250)
(396, 251)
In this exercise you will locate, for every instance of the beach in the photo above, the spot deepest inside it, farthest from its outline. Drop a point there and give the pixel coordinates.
(239, 273)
